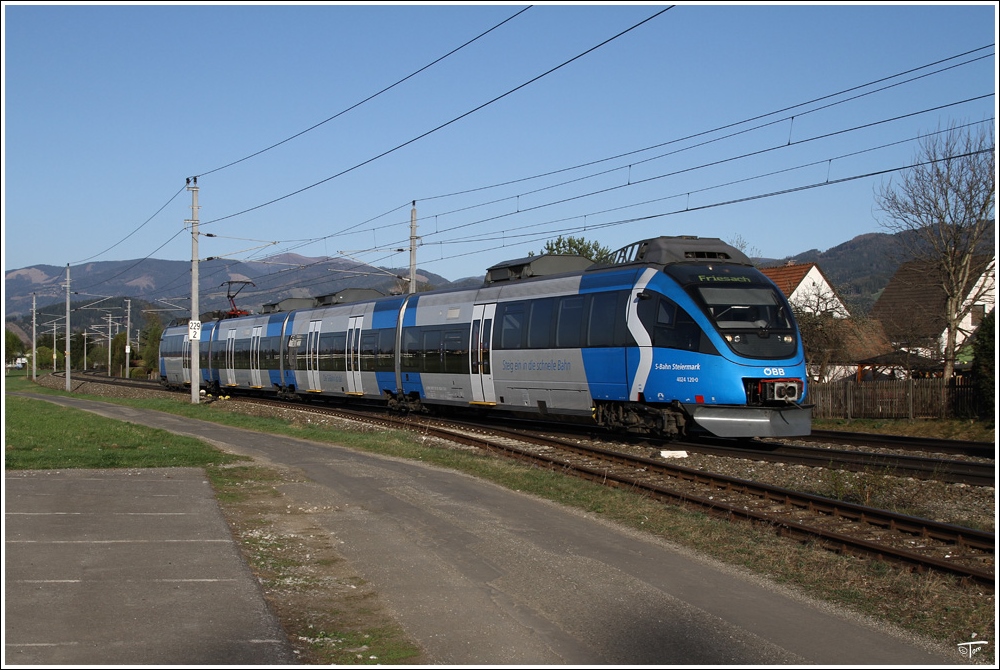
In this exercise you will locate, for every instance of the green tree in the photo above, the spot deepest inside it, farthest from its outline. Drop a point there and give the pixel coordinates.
(118, 355)
(97, 355)
(150, 343)
(12, 345)
(580, 246)
(43, 358)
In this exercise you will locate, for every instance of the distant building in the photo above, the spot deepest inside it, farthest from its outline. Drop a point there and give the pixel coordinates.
(807, 289)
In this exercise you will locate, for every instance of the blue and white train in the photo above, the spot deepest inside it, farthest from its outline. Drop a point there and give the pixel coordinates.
(675, 336)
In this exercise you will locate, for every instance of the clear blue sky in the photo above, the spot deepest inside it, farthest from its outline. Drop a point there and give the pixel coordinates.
(107, 109)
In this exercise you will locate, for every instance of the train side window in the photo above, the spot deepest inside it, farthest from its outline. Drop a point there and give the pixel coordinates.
(602, 319)
(269, 352)
(456, 351)
(369, 349)
(511, 326)
(569, 322)
(540, 324)
(669, 325)
(333, 352)
(409, 360)
(385, 358)
(431, 352)
(292, 351)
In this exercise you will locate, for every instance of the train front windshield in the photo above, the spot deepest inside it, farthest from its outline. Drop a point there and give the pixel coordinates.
(739, 308)
(748, 311)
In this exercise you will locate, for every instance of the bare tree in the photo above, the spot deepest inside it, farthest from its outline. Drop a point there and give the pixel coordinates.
(743, 245)
(944, 208)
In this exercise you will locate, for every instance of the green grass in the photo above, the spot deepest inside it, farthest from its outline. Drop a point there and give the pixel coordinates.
(42, 436)
(945, 429)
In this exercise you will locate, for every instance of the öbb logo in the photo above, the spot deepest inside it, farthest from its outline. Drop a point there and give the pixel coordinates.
(774, 372)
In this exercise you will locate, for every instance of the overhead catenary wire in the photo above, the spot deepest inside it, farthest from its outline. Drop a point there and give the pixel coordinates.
(506, 236)
(369, 98)
(313, 127)
(633, 183)
(688, 137)
(512, 234)
(717, 129)
(313, 240)
(443, 125)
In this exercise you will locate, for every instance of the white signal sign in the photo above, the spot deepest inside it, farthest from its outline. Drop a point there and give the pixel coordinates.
(194, 330)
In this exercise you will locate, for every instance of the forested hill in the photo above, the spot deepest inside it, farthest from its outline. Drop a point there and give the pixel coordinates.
(859, 269)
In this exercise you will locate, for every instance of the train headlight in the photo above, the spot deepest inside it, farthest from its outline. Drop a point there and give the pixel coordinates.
(787, 339)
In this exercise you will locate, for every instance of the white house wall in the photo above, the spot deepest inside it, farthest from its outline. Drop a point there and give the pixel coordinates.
(986, 289)
(815, 295)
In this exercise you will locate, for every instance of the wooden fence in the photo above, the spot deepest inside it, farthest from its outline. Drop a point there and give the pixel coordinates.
(903, 399)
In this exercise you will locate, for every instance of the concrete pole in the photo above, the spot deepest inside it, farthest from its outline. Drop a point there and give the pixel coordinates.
(67, 329)
(195, 317)
(109, 344)
(128, 344)
(413, 248)
(34, 339)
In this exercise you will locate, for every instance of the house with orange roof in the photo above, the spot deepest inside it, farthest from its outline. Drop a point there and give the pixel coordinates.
(807, 289)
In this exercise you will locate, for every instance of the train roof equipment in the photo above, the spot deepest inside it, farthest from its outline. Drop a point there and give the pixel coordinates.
(667, 250)
(536, 266)
(349, 295)
(233, 310)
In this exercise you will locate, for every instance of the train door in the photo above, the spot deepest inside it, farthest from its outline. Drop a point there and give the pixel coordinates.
(231, 357)
(354, 325)
(312, 356)
(255, 381)
(186, 360)
(479, 354)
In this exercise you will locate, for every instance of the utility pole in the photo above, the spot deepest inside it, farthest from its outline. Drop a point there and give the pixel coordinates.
(413, 248)
(67, 329)
(128, 344)
(34, 339)
(109, 344)
(194, 326)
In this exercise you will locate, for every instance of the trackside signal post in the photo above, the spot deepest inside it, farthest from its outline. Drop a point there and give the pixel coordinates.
(194, 326)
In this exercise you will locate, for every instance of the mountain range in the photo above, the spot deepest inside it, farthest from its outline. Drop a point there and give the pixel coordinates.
(859, 269)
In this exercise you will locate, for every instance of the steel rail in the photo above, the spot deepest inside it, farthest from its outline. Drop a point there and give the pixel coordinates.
(963, 447)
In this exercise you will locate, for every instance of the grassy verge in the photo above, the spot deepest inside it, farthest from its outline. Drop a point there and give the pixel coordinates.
(945, 429)
(43, 436)
(927, 604)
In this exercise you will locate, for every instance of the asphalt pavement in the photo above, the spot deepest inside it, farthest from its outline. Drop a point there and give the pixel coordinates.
(128, 567)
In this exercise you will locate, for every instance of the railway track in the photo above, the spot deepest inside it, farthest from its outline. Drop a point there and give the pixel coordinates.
(933, 445)
(841, 526)
(974, 473)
